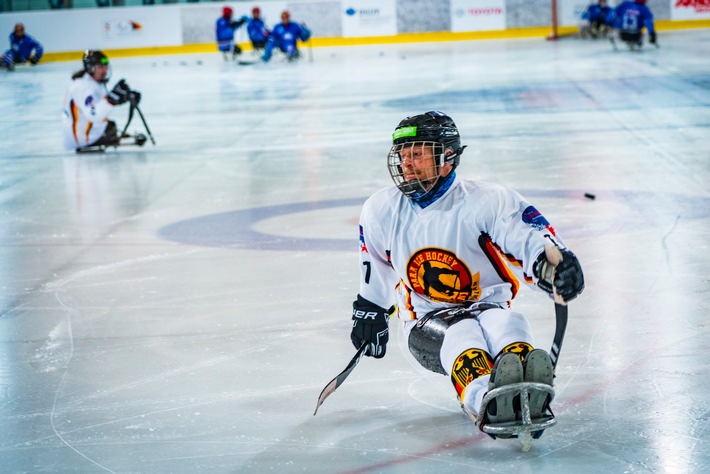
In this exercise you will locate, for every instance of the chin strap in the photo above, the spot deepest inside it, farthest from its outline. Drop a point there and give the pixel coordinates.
(431, 196)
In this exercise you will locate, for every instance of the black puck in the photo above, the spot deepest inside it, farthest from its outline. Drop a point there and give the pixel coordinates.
(590, 196)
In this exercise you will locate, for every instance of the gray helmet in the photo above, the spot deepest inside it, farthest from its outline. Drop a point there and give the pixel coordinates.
(435, 130)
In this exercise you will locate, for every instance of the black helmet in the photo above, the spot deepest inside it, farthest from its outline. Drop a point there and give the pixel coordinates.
(92, 59)
(434, 129)
(432, 126)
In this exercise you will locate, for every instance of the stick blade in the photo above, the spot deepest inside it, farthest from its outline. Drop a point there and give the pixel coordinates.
(340, 378)
(330, 388)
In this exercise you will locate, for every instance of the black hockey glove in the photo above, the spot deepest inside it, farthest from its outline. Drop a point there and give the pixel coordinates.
(567, 277)
(119, 94)
(370, 324)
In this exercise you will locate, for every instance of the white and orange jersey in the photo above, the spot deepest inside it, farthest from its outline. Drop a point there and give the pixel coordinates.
(475, 243)
(86, 112)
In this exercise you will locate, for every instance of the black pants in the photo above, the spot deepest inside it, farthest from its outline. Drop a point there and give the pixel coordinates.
(630, 37)
(110, 136)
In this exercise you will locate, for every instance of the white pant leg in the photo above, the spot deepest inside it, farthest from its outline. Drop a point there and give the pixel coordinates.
(464, 335)
(502, 327)
(499, 328)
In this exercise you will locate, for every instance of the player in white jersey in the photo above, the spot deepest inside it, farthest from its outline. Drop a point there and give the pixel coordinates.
(447, 256)
(88, 104)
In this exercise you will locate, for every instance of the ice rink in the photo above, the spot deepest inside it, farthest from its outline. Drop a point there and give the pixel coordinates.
(178, 308)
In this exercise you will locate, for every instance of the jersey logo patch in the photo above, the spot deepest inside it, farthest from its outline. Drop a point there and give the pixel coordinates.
(439, 275)
(532, 217)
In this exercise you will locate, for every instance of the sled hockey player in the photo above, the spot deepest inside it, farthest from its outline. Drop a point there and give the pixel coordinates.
(595, 20)
(88, 104)
(630, 18)
(23, 48)
(224, 30)
(446, 255)
(285, 37)
(257, 30)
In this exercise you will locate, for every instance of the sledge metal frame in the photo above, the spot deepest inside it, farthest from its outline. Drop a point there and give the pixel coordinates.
(527, 424)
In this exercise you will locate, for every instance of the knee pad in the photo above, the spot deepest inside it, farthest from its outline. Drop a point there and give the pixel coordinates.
(427, 336)
(521, 349)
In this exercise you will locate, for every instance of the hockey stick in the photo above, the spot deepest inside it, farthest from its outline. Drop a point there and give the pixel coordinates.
(560, 328)
(152, 140)
(340, 378)
(130, 117)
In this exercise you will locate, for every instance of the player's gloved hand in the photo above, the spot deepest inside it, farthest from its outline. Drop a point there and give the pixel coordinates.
(652, 38)
(33, 58)
(245, 18)
(559, 268)
(119, 94)
(134, 97)
(370, 325)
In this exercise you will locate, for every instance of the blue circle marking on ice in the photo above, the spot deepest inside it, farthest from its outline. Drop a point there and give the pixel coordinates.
(634, 211)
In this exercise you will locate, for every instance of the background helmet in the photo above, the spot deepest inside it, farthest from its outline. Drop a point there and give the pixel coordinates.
(433, 128)
(255, 11)
(92, 59)
(227, 12)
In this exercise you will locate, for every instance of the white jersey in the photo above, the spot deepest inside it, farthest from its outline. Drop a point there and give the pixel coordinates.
(473, 244)
(86, 112)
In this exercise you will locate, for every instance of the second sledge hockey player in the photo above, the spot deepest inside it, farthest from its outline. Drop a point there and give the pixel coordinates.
(595, 20)
(285, 37)
(88, 104)
(630, 18)
(446, 255)
(23, 48)
(225, 28)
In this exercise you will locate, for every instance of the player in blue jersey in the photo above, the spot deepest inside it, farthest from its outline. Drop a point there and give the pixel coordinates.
(257, 30)
(595, 19)
(285, 37)
(630, 18)
(23, 48)
(224, 29)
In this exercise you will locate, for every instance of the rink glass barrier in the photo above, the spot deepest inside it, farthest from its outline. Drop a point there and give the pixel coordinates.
(140, 27)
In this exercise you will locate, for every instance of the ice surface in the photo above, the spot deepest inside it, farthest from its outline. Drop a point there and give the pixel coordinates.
(178, 308)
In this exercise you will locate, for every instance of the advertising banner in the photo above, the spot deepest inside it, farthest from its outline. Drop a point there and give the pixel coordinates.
(477, 15)
(369, 18)
(690, 9)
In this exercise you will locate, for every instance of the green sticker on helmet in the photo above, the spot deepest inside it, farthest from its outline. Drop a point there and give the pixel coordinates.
(404, 132)
(104, 60)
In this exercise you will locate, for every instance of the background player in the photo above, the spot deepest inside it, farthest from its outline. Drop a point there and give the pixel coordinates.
(257, 30)
(285, 37)
(630, 18)
(23, 48)
(88, 104)
(224, 31)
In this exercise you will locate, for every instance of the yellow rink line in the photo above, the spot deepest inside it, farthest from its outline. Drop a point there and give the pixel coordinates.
(536, 32)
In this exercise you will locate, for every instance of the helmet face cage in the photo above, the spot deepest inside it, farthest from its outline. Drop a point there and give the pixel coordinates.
(416, 182)
(432, 133)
